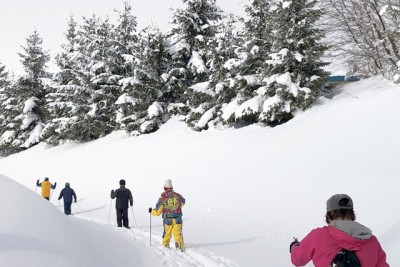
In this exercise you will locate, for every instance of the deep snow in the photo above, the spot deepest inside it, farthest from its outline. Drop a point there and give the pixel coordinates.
(248, 190)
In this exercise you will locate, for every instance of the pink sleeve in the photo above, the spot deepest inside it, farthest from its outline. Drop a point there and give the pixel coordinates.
(303, 253)
(381, 257)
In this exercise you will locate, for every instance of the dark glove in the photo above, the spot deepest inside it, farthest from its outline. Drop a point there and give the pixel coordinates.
(293, 244)
(150, 209)
(37, 181)
(55, 184)
(112, 191)
(75, 200)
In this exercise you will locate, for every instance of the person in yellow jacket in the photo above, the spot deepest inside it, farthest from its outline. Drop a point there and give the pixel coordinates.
(170, 206)
(46, 187)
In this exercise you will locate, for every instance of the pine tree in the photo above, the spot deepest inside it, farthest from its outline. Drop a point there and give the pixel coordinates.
(34, 58)
(220, 52)
(26, 106)
(4, 76)
(280, 67)
(240, 91)
(146, 86)
(257, 37)
(97, 55)
(61, 101)
(295, 65)
(193, 28)
(97, 75)
(67, 58)
(125, 39)
(8, 111)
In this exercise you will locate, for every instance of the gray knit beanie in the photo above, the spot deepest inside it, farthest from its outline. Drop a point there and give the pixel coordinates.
(339, 201)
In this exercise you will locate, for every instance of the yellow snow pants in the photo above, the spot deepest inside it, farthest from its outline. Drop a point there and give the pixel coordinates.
(175, 229)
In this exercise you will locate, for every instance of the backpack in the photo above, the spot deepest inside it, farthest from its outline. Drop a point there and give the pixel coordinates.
(345, 258)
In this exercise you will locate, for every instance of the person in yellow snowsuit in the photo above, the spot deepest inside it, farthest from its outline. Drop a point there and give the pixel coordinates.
(170, 206)
(46, 187)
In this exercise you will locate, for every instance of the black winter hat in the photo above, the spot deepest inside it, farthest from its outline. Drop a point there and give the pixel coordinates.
(122, 182)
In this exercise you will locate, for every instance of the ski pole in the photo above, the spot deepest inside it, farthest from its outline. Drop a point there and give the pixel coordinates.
(134, 218)
(79, 206)
(150, 229)
(109, 214)
(183, 241)
(36, 184)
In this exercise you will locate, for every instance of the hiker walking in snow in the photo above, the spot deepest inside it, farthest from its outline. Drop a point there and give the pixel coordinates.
(46, 187)
(67, 193)
(322, 245)
(124, 198)
(170, 205)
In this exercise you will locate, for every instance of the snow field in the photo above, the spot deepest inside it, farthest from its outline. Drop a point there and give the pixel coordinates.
(249, 191)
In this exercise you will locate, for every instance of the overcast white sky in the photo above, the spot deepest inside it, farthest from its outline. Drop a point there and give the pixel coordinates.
(19, 18)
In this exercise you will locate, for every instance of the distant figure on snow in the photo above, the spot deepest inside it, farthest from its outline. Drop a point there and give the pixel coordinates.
(67, 193)
(46, 187)
(170, 205)
(124, 198)
(322, 245)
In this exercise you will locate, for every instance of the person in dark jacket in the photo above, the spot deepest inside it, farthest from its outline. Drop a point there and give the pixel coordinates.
(67, 193)
(124, 198)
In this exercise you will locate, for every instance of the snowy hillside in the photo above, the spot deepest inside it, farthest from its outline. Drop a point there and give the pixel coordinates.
(35, 233)
(249, 191)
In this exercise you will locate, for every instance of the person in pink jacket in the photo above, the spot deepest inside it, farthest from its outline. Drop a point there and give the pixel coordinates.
(321, 245)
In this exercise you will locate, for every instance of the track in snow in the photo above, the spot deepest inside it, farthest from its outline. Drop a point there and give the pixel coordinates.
(192, 257)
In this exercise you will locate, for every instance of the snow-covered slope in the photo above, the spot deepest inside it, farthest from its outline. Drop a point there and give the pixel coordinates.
(248, 190)
(33, 232)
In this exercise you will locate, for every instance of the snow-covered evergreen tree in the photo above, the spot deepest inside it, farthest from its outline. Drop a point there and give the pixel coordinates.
(206, 98)
(60, 101)
(279, 68)
(257, 37)
(295, 76)
(8, 111)
(25, 108)
(97, 88)
(66, 60)
(34, 58)
(4, 76)
(146, 87)
(221, 50)
(125, 39)
(193, 28)
(97, 55)
(242, 68)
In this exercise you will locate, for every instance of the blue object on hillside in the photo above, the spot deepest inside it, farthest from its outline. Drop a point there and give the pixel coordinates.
(335, 78)
(353, 79)
(340, 78)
